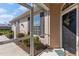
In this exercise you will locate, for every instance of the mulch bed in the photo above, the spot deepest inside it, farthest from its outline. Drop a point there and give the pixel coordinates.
(27, 49)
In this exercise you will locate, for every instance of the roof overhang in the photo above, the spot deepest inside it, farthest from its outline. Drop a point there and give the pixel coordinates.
(25, 5)
(41, 5)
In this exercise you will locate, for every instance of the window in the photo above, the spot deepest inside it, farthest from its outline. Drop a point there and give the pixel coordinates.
(36, 24)
(39, 24)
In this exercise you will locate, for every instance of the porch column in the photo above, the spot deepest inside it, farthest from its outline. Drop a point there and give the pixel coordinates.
(14, 31)
(77, 39)
(31, 33)
(31, 27)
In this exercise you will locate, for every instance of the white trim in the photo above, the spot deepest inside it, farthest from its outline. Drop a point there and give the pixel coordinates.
(66, 11)
(60, 30)
(25, 5)
(48, 13)
(77, 12)
(49, 27)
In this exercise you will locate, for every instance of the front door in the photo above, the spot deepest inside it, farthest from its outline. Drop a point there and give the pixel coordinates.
(69, 31)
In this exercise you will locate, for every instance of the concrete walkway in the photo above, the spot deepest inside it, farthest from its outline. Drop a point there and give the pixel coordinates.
(11, 49)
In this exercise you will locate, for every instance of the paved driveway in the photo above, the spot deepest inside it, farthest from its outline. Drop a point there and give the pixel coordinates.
(11, 49)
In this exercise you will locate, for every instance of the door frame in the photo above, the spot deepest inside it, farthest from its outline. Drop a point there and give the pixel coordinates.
(74, 6)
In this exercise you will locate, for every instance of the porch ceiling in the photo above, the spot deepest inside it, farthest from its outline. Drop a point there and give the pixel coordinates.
(25, 5)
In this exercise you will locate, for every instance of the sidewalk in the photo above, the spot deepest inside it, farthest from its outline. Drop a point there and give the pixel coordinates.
(11, 49)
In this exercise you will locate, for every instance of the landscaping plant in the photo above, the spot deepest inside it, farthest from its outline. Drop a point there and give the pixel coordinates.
(19, 35)
(37, 44)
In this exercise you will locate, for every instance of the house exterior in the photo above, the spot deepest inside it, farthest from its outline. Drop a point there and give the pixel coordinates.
(57, 25)
(21, 24)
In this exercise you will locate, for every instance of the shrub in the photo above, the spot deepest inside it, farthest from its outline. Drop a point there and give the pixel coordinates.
(1, 33)
(5, 31)
(9, 35)
(20, 35)
(37, 44)
(27, 42)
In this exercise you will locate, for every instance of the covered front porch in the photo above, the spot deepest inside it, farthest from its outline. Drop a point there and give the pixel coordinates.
(52, 18)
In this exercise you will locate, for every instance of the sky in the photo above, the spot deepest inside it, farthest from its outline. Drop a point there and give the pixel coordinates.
(37, 20)
(8, 11)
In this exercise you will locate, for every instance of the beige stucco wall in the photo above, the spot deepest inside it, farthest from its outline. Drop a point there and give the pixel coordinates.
(54, 25)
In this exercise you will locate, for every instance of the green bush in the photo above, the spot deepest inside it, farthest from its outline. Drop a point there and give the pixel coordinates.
(27, 42)
(20, 35)
(1, 33)
(37, 44)
(9, 35)
(5, 31)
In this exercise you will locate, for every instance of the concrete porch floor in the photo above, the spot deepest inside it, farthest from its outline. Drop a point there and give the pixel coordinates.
(52, 52)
